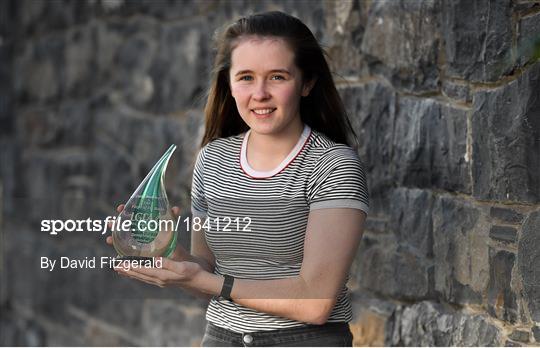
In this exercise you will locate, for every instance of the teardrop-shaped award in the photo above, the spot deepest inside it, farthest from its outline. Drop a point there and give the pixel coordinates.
(150, 231)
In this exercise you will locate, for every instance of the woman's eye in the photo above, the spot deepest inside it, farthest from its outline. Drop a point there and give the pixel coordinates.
(278, 77)
(245, 78)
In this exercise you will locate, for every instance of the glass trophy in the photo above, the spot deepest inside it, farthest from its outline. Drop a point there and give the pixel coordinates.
(151, 231)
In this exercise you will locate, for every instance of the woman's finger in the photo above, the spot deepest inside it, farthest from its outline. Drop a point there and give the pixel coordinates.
(142, 277)
(176, 211)
(120, 208)
(109, 240)
(159, 274)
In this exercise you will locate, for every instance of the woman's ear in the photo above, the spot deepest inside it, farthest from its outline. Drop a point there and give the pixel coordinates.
(306, 88)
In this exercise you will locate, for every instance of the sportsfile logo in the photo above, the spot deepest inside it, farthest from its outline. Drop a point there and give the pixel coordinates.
(53, 227)
(113, 223)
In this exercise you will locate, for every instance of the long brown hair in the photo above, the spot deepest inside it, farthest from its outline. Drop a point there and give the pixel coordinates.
(322, 110)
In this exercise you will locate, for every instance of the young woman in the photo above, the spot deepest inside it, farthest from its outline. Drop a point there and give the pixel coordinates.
(280, 195)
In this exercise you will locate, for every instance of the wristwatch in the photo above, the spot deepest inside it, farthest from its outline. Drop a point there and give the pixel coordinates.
(227, 287)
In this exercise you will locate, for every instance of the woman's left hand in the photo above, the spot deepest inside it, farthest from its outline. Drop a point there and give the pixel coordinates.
(171, 274)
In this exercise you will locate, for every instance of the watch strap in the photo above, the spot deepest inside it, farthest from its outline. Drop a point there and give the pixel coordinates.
(227, 287)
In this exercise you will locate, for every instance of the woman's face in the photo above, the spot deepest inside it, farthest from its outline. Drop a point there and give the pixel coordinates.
(266, 84)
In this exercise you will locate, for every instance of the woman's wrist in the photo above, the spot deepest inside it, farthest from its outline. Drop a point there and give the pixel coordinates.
(208, 283)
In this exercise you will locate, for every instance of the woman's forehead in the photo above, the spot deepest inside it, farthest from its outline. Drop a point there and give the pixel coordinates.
(259, 51)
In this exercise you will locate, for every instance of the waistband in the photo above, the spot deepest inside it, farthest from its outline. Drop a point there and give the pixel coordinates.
(340, 327)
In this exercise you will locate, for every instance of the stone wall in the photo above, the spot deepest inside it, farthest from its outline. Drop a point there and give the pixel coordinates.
(444, 96)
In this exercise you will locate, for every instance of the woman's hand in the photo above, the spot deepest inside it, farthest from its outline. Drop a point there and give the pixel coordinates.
(171, 273)
(180, 270)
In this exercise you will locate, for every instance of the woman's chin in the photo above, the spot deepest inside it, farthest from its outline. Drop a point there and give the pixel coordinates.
(266, 129)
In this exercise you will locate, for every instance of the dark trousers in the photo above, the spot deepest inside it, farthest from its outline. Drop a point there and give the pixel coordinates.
(327, 335)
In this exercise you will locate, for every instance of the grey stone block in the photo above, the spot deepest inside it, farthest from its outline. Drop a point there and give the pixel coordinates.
(410, 219)
(159, 9)
(430, 146)
(385, 268)
(528, 44)
(460, 250)
(371, 107)
(20, 331)
(9, 155)
(78, 73)
(366, 301)
(161, 68)
(528, 256)
(7, 21)
(346, 24)
(373, 264)
(180, 69)
(127, 51)
(431, 324)
(413, 276)
(46, 178)
(525, 6)
(536, 333)
(401, 42)
(313, 14)
(477, 38)
(520, 335)
(424, 144)
(505, 129)
(40, 65)
(7, 105)
(66, 125)
(503, 233)
(46, 16)
(501, 297)
(506, 215)
(376, 225)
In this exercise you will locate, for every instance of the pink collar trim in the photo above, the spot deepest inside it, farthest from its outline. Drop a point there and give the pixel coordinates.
(256, 174)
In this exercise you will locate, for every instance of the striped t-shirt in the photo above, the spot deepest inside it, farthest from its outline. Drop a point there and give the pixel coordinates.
(267, 214)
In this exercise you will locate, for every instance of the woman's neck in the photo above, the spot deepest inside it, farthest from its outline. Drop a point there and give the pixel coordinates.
(267, 151)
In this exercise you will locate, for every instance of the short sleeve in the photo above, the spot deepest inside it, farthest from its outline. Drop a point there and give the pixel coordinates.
(199, 207)
(338, 181)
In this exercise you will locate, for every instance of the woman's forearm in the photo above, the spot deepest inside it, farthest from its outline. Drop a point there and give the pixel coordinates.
(293, 298)
(290, 298)
(207, 288)
(312, 311)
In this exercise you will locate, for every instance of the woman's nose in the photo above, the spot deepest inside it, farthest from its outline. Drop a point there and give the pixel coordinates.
(261, 92)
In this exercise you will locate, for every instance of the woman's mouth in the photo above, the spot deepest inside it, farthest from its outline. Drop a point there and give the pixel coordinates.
(263, 113)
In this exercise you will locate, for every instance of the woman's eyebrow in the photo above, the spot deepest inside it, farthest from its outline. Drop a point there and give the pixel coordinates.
(282, 71)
